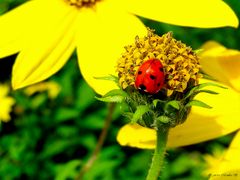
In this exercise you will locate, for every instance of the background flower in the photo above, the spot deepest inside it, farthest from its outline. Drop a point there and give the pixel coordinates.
(51, 87)
(6, 103)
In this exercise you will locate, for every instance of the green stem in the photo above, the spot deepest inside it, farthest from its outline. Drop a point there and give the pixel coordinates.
(100, 142)
(158, 156)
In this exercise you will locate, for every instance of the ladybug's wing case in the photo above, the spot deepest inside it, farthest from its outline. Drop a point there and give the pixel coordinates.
(141, 75)
(150, 77)
(153, 80)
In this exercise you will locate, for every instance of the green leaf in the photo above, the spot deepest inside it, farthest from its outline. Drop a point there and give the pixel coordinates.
(195, 90)
(84, 96)
(128, 115)
(115, 95)
(200, 86)
(58, 146)
(198, 51)
(64, 114)
(117, 99)
(201, 91)
(207, 91)
(141, 110)
(66, 170)
(116, 92)
(206, 76)
(38, 101)
(94, 121)
(191, 92)
(156, 101)
(3, 7)
(198, 103)
(107, 163)
(163, 119)
(110, 77)
(175, 104)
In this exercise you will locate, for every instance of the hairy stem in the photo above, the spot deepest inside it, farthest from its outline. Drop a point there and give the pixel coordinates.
(158, 156)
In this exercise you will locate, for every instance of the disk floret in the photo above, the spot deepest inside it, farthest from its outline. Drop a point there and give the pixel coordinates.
(82, 3)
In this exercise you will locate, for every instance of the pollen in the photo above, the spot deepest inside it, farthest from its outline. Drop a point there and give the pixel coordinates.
(82, 3)
(180, 63)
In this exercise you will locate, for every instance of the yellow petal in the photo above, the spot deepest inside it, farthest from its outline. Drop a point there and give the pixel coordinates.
(229, 164)
(9, 22)
(222, 64)
(103, 33)
(46, 51)
(201, 125)
(20, 23)
(197, 13)
(137, 136)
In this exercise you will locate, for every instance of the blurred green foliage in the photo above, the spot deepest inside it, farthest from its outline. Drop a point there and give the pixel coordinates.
(53, 138)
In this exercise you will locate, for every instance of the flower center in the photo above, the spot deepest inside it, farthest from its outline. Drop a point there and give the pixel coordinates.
(180, 63)
(82, 3)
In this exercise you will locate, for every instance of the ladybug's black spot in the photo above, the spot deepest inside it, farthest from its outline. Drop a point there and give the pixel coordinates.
(139, 72)
(161, 69)
(142, 87)
(158, 84)
(152, 77)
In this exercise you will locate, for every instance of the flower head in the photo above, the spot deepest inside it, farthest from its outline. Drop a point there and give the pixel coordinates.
(49, 31)
(82, 3)
(180, 63)
(6, 103)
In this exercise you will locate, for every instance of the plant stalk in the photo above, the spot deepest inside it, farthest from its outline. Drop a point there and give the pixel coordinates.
(159, 154)
(100, 143)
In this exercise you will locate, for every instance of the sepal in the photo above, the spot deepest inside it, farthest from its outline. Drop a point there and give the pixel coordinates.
(110, 77)
(140, 111)
(113, 96)
(198, 103)
(158, 110)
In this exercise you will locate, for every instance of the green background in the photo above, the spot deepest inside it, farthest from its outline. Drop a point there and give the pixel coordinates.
(52, 139)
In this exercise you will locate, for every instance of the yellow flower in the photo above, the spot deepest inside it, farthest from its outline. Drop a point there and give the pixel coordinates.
(46, 32)
(51, 87)
(225, 166)
(6, 103)
(224, 64)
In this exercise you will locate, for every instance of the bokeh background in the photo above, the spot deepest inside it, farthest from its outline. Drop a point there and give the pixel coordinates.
(53, 137)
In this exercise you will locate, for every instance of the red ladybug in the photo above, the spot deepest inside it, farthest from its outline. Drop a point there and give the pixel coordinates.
(150, 76)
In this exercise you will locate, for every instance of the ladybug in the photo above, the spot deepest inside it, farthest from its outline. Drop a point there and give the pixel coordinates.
(150, 76)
